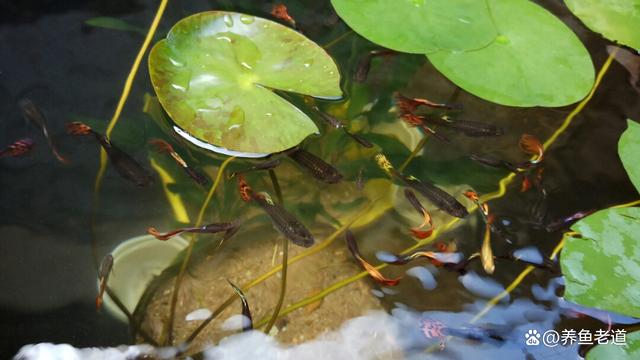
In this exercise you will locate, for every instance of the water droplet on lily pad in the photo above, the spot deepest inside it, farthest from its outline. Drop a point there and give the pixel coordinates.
(228, 20)
(247, 19)
(214, 103)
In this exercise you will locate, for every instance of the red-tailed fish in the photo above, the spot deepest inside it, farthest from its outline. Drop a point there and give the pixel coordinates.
(437, 196)
(373, 272)
(124, 164)
(18, 148)
(285, 222)
(32, 114)
(103, 276)
(166, 148)
(204, 229)
(317, 167)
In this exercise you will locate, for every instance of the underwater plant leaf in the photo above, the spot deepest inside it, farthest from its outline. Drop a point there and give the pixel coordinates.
(612, 351)
(629, 152)
(114, 24)
(537, 62)
(420, 26)
(602, 268)
(616, 20)
(214, 75)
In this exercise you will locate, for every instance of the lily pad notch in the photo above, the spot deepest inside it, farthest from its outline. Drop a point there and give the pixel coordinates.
(215, 73)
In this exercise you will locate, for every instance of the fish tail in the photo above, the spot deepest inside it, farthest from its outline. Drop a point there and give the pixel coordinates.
(246, 312)
(161, 146)
(78, 128)
(244, 188)
(163, 237)
(531, 145)
(372, 270)
(18, 148)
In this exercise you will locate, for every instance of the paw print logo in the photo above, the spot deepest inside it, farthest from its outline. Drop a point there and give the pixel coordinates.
(532, 337)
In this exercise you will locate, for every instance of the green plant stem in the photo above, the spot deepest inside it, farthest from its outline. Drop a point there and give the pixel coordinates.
(276, 185)
(328, 241)
(415, 152)
(337, 40)
(134, 330)
(167, 333)
(283, 285)
(285, 259)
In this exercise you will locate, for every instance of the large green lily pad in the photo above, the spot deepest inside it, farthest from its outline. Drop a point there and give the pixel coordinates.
(420, 26)
(602, 269)
(617, 20)
(215, 72)
(536, 60)
(629, 152)
(630, 351)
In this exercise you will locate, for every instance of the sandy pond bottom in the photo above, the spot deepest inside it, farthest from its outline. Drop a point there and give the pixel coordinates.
(245, 258)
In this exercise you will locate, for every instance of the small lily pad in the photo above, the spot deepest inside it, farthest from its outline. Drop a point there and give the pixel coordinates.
(629, 152)
(536, 60)
(617, 20)
(602, 268)
(420, 26)
(215, 74)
